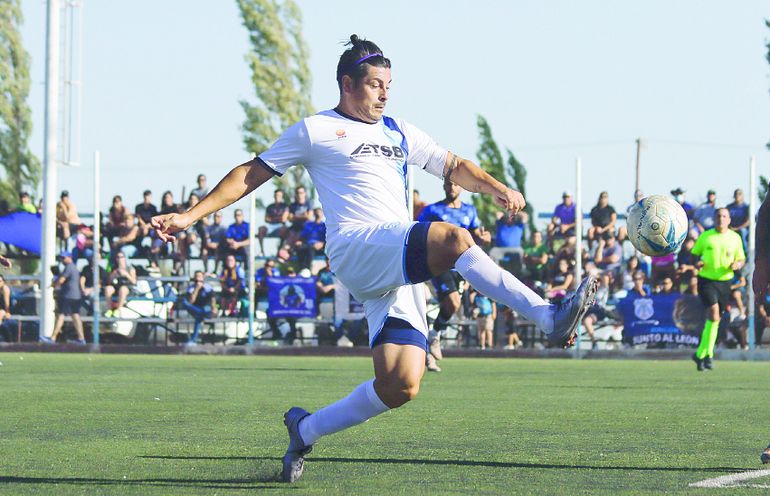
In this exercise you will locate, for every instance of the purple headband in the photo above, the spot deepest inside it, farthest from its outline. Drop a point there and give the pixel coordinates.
(363, 59)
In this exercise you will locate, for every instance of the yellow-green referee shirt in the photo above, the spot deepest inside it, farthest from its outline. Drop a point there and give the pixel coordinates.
(718, 251)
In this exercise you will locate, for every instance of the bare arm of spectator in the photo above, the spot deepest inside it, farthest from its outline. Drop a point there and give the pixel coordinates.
(481, 234)
(239, 182)
(599, 251)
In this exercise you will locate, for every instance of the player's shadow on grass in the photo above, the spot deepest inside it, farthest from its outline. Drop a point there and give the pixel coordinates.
(256, 483)
(472, 463)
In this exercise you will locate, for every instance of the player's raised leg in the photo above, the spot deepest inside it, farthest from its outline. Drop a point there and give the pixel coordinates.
(450, 246)
(398, 369)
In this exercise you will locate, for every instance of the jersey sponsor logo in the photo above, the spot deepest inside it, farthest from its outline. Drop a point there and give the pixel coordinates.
(340, 134)
(371, 150)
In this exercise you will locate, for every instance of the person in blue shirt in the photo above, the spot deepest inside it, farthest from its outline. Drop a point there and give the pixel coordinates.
(312, 239)
(485, 311)
(454, 211)
(199, 302)
(739, 216)
(237, 236)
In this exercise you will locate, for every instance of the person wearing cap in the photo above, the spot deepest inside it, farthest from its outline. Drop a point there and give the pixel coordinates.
(703, 217)
(67, 219)
(563, 221)
(25, 203)
(678, 195)
(69, 298)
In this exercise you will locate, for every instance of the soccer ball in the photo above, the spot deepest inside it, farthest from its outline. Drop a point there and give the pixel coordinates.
(657, 225)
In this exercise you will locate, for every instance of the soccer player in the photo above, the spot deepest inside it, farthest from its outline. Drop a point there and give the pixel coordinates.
(761, 280)
(456, 212)
(721, 253)
(357, 158)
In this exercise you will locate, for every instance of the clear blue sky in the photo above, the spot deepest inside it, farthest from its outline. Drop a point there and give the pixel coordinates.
(555, 79)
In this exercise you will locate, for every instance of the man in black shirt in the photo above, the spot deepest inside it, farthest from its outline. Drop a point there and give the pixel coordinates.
(276, 215)
(603, 219)
(144, 212)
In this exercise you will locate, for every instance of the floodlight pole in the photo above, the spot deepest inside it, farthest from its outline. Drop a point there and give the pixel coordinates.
(97, 248)
(578, 236)
(252, 255)
(48, 238)
(751, 338)
(637, 184)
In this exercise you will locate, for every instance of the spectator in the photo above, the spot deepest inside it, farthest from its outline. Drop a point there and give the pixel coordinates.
(627, 275)
(599, 310)
(87, 288)
(202, 189)
(299, 213)
(418, 204)
(325, 282)
(190, 242)
(692, 284)
(144, 212)
(262, 274)
(739, 216)
(662, 267)
(703, 217)
(678, 195)
(67, 218)
(214, 242)
(120, 281)
(666, 285)
(68, 302)
(622, 230)
(608, 253)
(276, 216)
(536, 257)
(199, 303)
(509, 231)
(603, 218)
(84, 243)
(737, 290)
(116, 218)
(126, 237)
(25, 203)
(686, 261)
(167, 204)
(237, 236)
(312, 240)
(513, 338)
(563, 221)
(640, 287)
(561, 280)
(4, 262)
(485, 311)
(233, 283)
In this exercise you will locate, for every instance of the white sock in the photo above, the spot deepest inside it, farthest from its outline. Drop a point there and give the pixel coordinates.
(490, 279)
(356, 408)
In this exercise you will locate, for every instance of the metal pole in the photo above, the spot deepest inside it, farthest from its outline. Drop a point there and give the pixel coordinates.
(578, 235)
(252, 254)
(637, 186)
(750, 256)
(97, 248)
(48, 245)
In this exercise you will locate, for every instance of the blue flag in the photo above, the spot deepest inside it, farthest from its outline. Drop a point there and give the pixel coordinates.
(662, 319)
(291, 297)
(23, 230)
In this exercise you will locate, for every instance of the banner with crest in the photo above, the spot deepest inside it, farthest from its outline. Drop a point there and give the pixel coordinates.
(662, 320)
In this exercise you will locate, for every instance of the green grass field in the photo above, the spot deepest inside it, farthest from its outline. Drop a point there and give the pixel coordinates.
(107, 424)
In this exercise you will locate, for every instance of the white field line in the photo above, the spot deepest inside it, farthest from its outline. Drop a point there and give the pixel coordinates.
(733, 480)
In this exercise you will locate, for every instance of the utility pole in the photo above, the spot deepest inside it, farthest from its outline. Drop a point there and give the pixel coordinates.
(638, 165)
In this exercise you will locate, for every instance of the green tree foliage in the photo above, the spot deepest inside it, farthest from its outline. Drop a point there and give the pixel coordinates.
(21, 169)
(280, 75)
(491, 160)
(519, 173)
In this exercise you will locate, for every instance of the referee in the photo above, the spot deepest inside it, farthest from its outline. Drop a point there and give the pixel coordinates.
(721, 252)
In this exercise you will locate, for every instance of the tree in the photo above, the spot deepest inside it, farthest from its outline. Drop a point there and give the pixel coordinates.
(21, 169)
(281, 78)
(491, 160)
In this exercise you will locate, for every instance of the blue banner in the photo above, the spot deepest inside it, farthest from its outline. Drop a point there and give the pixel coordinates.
(23, 230)
(662, 320)
(291, 297)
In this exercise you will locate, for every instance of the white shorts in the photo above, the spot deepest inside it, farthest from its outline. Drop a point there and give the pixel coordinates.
(370, 262)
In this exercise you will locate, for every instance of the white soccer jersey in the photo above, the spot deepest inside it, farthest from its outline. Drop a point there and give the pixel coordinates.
(359, 169)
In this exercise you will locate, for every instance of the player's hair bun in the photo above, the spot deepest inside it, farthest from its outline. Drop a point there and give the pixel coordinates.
(354, 40)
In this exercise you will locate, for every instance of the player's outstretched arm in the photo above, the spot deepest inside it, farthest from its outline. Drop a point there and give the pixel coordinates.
(474, 179)
(761, 278)
(239, 182)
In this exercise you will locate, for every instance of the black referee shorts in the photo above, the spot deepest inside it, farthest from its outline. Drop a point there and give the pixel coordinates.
(446, 283)
(714, 292)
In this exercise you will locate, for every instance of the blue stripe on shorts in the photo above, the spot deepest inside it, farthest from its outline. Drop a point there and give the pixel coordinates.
(399, 331)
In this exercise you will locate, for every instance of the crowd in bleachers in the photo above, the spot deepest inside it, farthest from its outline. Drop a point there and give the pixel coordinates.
(291, 242)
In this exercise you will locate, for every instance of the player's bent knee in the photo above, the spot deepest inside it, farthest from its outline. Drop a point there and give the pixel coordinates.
(396, 393)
